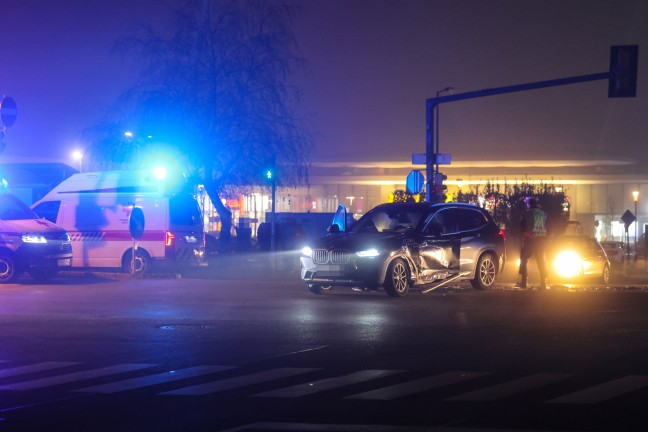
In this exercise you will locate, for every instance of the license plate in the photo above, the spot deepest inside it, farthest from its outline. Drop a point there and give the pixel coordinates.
(330, 268)
(65, 262)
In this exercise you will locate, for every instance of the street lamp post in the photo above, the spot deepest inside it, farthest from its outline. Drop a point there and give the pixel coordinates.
(436, 150)
(635, 197)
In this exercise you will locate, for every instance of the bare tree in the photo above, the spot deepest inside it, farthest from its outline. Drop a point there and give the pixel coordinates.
(215, 84)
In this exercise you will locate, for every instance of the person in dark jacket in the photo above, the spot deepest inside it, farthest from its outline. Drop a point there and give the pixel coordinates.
(533, 225)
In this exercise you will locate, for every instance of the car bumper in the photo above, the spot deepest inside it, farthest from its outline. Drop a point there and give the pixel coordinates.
(362, 273)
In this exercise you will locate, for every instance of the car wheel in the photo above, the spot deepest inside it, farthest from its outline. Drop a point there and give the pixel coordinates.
(397, 279)
(319, 289)
(8, 272)
(485, 273)
(142, 262)
(605, 276)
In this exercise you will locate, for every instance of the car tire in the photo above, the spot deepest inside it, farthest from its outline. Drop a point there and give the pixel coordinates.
(397, 278)
(605, 276)
(8, 271)
(142, 262)
(485, 272)
(319, 289)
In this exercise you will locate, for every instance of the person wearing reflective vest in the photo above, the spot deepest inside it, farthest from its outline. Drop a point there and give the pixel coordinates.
(533, 225)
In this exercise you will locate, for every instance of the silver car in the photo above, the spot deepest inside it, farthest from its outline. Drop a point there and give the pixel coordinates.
(399, 246)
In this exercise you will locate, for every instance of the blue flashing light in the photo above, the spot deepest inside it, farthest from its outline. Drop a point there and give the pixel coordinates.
(160, 173)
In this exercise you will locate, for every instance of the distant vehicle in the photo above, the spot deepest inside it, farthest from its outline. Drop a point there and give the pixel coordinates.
(640, 249)
(576, 258)
(95, 209)
(29, 243)
(399, 246)
(618, 254)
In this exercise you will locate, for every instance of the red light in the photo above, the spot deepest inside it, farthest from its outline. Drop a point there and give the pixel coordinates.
(169, 238)
(503, 234)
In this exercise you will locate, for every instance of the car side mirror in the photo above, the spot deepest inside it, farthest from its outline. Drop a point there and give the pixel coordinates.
(333, 229)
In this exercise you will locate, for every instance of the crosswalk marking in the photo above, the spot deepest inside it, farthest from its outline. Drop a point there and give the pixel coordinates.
(417, 386)
(240, 381)
(500, 391)
(150, 380)
(602, 392)
(74, 376)
(328, 427)
(591, 395)
(327, 384)
(36, 367)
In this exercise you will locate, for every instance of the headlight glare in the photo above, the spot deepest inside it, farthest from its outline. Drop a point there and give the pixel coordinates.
(568, 264)
(307, 251)
(368, 253)
(33, 238)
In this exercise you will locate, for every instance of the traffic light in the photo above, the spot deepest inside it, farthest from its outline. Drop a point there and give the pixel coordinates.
(439, 191)
(269, 169)
(623, 71)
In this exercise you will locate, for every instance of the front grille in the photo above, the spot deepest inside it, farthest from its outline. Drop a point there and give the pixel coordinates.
(323, 256)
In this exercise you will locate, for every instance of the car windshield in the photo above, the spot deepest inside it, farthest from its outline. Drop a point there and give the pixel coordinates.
(388, 220)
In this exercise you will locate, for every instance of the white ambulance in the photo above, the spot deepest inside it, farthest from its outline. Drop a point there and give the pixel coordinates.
(95, 209)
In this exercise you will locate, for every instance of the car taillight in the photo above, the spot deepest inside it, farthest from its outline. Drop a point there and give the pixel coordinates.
(169, 238)
(502, 234)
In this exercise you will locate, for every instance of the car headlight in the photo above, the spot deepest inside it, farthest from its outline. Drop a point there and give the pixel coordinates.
(33, 238)
(307, 251)
(568, 264)
(368, 253)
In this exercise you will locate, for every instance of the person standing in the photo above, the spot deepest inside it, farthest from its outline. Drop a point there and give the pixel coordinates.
(534, 232)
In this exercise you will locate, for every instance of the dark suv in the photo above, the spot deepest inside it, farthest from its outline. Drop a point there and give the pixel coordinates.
(397, 246)
(30, 244)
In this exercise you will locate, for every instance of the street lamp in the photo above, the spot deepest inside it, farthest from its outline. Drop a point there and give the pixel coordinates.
(77, 155)
(436, 150)
(635, 197)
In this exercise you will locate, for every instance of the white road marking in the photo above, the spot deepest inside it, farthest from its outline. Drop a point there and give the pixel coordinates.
(509, 388)
(604, 391)
(236, 382)
(150, 380)
(327, 384)
(74, 376)
(417, 386)
(36, 367)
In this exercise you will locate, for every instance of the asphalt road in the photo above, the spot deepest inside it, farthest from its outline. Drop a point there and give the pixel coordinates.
(260, 352)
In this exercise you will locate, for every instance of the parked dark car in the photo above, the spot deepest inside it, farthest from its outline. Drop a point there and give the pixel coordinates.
(397, 246)
(574, 258)
(618, 254)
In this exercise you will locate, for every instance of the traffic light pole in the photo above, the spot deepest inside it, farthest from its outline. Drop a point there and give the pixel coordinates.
(274, 217)
(433, 103)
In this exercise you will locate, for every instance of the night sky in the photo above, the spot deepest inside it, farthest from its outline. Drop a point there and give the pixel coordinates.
(372, 65)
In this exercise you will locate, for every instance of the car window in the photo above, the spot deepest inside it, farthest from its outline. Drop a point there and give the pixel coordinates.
(388, 220)
(48, 210)
(441, 223)
(468, 219)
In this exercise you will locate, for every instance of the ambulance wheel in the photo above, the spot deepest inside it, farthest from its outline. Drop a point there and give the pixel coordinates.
(142, 262)
(8, 271)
